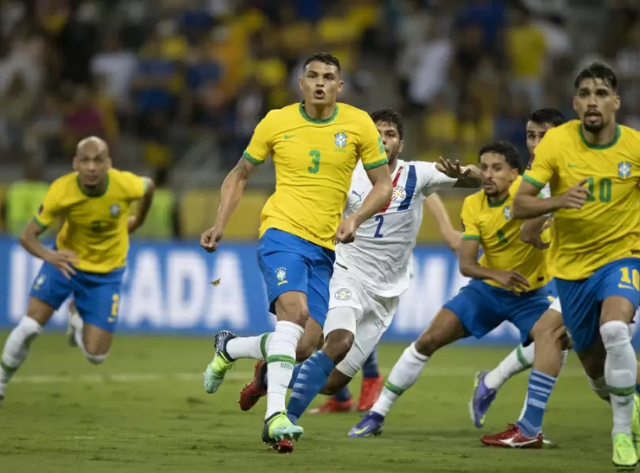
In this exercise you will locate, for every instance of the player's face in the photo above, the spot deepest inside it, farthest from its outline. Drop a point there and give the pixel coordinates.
(596, 103)
(92, 168)
(535, 133)
(498, 175)
(390, 139)
(320, 83)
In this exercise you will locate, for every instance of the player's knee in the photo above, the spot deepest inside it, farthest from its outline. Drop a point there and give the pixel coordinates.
(547, 331)
(338, 344)
(96, 359)
(615, 333)
(293, 311)
(427, 344)
(304, 350)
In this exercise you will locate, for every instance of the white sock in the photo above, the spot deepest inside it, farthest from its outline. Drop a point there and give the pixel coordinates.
(281, 356)
(93, 359)
(16, 348)
(563, 359)
(404, 373)
(599, 386)
(249, 347)
(620, 369)
(515, 362)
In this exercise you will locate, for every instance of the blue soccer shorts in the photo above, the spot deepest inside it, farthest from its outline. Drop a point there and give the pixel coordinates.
(582, 299)
(482, 307)
(97, 296)
(290, 263)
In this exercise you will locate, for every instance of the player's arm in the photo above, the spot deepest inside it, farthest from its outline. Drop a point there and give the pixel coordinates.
(436, 208)
(467, 176)
(136, 221)
(531, 230)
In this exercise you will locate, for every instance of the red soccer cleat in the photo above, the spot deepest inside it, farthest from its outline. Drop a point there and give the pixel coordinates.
(512, 438)
(283, 446)
(333, 406)
(254, 390)
(371, 389)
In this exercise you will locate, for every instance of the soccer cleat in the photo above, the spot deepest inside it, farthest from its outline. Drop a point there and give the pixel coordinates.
(73, 324)
(214, 374)
(635, 422)
(512, 438)
(371, 424)
(371, 389)
(255, 389)
(277, 428)
(481, 399)
(333, 406)
(625, 456)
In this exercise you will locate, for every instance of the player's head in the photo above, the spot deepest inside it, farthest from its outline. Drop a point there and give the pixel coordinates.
(92, 161)
(389, 125)
(538, 123)
(596, 100)
(320, 81)
(500, 166)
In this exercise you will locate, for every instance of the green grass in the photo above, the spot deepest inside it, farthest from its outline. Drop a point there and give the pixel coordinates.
(145, 411)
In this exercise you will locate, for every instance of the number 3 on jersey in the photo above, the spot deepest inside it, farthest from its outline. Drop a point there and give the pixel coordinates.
(315, 160)
(380, 220)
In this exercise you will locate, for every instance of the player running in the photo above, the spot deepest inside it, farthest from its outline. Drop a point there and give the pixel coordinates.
(315, 146)
(593, 169)
(89, 256)
(509, 281)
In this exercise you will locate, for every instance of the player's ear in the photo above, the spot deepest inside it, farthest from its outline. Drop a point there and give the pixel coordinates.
(401, 146)
(301, 82)
(575, 104)
(75, 163)
(340, 85)
(616, 102)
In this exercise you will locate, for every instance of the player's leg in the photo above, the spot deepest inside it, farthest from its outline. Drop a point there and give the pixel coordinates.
(48, 292)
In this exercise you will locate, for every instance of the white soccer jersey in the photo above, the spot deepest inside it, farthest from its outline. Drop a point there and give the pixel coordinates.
(381, 252)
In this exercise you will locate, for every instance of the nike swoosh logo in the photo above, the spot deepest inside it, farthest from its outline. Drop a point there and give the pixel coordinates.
(286, 137)
(573, 165)
(361, 431)
(511, 443)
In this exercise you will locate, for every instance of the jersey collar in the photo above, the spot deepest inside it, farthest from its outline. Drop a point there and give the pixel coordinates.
(106, 187)
(316, 121)
(592, 146)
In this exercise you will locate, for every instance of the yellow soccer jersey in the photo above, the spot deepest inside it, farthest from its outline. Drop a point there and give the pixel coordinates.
(95, 227)
(607, 228)
(314, 161)
(500, 238)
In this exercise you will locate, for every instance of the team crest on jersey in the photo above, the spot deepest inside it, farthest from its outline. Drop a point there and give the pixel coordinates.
(114, 210)
(281, 276)
(340, 139)
(343, 294)
(39, 282)
(507, 212)
(624, 169)
(398, 194)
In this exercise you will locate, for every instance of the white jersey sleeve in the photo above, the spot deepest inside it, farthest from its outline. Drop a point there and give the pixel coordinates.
(430, 179)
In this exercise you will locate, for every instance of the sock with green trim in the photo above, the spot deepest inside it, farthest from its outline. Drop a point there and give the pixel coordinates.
(312, 376)
(620, 369)
(515, 362)
(405, 372)
(281, 356)
(249, 347)
(16, 348)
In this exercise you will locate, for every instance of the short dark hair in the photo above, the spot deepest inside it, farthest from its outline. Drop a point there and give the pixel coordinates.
(326, 58)
(597, 70)
(506, 149)
(551, 116)
(389, 115)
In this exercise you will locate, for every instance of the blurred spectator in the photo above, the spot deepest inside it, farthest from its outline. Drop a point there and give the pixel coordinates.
(295, 35)
(46, 132)
(82, 118)
(338, 35)
(440, 130)
(16, 108)
(163, 220)
(77, 43)
(628, 66)
(473, 129)
(25, 56)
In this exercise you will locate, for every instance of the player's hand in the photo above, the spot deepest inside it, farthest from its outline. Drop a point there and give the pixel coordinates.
(132, 223)
(453, 170)
(63, 260)
(575, 197)
(512, 280)
(346, 232)
(209, 239)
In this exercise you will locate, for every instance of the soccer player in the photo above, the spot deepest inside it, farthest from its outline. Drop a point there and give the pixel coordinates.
(315, 146)
(372, 381)
(509, 282)
(89, 255)
(593, 169)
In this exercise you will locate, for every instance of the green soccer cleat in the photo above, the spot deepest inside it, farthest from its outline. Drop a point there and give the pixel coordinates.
(625, 456)
(221, 363)
(635, 422)
(278, 427)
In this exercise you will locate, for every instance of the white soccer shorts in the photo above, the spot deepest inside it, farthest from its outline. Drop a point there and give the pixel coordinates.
(373, 316)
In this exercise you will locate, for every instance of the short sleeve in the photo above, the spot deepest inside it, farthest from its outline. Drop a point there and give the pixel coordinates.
(261, 141)
(542, 169)
(49, 208)
(430, 179)
(135, 185)
(469, 218)
(371, 150)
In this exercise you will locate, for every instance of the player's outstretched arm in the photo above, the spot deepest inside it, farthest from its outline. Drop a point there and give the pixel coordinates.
(436, 208)
(379, 196)
(61, 259)
(230, 195)
(528, 204)
(467, 176)
(136, 221)
(470, 268)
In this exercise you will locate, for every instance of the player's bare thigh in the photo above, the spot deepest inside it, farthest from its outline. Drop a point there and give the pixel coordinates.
(39, 311)
(292, 307)
(445, 329)
(550, 327)
(616, 308)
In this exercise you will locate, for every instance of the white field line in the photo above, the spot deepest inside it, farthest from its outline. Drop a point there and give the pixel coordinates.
(459, 372)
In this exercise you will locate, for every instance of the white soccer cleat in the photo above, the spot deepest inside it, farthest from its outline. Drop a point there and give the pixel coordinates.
(74, 324)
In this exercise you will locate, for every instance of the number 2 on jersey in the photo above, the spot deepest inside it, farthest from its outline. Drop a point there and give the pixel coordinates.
(315, 160)
(380, 220)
